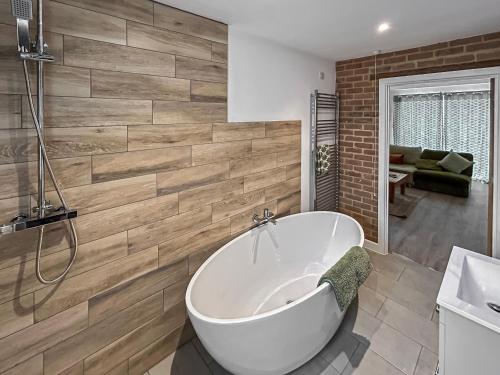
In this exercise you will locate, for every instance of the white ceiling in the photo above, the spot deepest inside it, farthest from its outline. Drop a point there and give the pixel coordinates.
(345, 29)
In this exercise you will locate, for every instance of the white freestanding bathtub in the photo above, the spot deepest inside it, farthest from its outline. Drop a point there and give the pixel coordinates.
(255, 303)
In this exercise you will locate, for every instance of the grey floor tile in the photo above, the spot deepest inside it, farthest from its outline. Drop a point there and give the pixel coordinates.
(396, 348)
(427, 362)
(366, 362)
(422, 279)
(421, 303)
(217, 369)
(185, 361)
(359, 323)
(421, 330)
(369, 300)
(203, 352)
(391, 266)
(340, 349)
(316, 366)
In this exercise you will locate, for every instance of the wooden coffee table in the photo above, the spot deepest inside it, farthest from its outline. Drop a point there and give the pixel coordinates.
(397, 179)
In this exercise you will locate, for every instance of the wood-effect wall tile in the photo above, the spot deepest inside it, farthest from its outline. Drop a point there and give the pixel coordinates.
(283, 189)
(169, 228)
(160, 136)
(148, 37)
(174, 294)
(109, 303)
(6, 13)
(114, 220)
(90, 256)
(10, 111)
(32, 366)
(293, 171)
(209, 92)
(219, 52)
(106, 358)
(8, 43)
(264, 179)
(74, 112)
(237, 205)
(283, 128)
(214, 152)
(66, 81)
(20, 279)
(16, 315)
(203, 238)
(155, 352)
(138, 86)
(188, 23)
(22, 178)
(190, 199)
(254, 164)
(190, 178)
(76, 369)
(101, 196)
(17, 145)
(22, 345)
(65, 354)
(11, 77)
(129, 164)
(121, 369)
(86, 285)
(271, 144)
(238, 131)
(12, 207)
(287, 203)
(201, 70)
(81, 141)
(135, 10)
(106, 56)
(69, 20)
(288, 157)
(243, 221)
(188, 112)
(18, 247)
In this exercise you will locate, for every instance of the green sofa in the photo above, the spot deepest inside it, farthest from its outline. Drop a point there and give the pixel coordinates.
(442, 181)
(426, 175)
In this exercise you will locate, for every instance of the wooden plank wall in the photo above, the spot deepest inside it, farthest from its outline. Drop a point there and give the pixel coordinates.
(136, 127)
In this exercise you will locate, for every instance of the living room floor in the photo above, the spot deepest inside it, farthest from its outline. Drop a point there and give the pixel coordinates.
(439, 222)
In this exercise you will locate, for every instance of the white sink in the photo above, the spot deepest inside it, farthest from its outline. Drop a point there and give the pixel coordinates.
(471, 282)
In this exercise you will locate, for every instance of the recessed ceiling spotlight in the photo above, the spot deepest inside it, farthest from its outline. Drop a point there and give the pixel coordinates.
(383, 27)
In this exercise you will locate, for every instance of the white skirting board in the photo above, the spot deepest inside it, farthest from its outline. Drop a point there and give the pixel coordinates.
(370, 245)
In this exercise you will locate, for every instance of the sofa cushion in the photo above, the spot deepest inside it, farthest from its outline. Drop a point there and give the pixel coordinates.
(453, 162)
(439, 155)
(411, 154)
(402, 168)
(396, 158)
(428, 164)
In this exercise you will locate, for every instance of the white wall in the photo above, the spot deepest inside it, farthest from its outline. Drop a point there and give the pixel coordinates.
(269, 82)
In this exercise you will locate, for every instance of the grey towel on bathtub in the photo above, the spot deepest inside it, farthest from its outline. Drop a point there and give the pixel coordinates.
(347, 275)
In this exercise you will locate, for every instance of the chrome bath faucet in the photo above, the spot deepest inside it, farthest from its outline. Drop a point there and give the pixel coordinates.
(267, 217)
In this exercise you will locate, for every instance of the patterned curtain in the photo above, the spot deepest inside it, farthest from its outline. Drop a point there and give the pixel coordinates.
(417, 120)
(467, 128)
(446, 121)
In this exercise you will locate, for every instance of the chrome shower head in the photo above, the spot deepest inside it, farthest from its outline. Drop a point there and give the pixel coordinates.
(23, 11)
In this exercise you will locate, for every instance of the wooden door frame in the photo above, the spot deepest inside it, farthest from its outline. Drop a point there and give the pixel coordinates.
(426, 80)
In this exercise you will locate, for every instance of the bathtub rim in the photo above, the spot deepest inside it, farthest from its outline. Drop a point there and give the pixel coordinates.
(224, 321)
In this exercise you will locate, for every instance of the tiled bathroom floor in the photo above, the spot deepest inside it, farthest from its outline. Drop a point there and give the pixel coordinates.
(392, 329)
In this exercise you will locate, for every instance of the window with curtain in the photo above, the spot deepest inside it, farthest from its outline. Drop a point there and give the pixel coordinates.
(458, 121)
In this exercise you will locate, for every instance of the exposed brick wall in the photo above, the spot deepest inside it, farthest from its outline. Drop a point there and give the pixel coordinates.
(357, 85)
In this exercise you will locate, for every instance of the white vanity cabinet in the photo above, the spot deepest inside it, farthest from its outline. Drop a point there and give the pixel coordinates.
(466, 347)
(469, 330)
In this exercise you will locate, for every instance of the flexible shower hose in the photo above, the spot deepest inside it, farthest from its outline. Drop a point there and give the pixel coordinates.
(58, 190)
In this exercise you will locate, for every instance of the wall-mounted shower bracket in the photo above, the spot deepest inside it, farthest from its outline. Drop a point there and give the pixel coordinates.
(21, 222)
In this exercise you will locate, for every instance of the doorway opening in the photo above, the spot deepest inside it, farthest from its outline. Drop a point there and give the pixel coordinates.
(437, 158)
